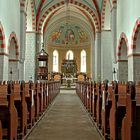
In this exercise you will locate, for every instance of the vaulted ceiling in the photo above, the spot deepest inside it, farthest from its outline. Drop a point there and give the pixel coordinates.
(51, 13)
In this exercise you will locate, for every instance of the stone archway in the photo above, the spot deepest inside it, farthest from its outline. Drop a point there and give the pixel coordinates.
(135, 57)
(13, 71)
(123, 58)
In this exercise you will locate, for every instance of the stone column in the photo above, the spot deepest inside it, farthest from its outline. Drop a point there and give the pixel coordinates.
(92, 53)
(97, 52)
(22, 44)
(30, 56)
(114, 34)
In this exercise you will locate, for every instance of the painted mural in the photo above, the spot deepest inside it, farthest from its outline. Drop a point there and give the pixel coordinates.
(68, 34)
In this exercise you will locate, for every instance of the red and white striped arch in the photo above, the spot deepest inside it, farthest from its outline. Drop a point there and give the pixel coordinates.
(33, 16)
(14, 37)
(24, 5)
(136, 30)
(46, 23)
(122, 39)
(2, 37)
(103, 13)
(91, 12)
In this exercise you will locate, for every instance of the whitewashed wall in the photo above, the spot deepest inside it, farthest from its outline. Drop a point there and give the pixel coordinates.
(127, 15)
(10, 20)
(10, 17)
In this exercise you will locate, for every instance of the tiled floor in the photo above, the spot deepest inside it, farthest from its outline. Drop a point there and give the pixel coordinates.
(66, 119)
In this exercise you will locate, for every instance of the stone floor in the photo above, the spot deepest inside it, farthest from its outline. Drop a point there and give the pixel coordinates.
(66, 119)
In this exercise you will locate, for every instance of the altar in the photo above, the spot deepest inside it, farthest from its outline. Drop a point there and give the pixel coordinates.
(69, 67)
(69, 71)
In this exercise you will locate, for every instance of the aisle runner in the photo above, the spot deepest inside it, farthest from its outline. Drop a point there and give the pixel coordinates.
(65, 120)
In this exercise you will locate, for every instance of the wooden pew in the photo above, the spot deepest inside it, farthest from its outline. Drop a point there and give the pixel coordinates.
(118, 110)
(8, 112)
(136, 131)
(131, 121)
(106, 106)
(41, 95)
(49, 92)
(53, 90)
(78, 89)
(46, 93)
(91, 98)
(85, 95)
(0, 131)
(29, 96)
(44, 88)
(94, 102)
(36, 87)
(99, 104)
(21, 106)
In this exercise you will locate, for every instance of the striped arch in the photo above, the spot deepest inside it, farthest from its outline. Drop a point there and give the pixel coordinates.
(122, 39)
(46, 23)
(136, 30)
(90, 21)
(103, 13)
(33, 16)
(95, 17)
(30, 15)
(14, 37)
(2, 37)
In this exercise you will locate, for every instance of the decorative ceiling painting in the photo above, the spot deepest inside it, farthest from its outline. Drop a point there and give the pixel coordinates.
(68, 35)
(86, 18)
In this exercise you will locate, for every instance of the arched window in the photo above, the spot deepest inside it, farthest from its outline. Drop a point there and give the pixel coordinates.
(69, 55)
(55, 61)
(83, 61)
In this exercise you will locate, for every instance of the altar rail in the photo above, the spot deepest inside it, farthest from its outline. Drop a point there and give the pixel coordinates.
(21, 105)
(114, 107)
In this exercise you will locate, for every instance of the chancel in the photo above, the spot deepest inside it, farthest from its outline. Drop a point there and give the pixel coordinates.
(69, 69)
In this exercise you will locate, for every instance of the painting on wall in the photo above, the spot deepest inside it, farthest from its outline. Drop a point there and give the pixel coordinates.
(68, 34)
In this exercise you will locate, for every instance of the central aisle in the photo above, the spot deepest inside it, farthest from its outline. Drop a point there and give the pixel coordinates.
(66, 119)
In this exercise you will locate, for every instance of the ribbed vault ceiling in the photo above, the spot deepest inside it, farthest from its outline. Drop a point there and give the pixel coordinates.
(83, 13)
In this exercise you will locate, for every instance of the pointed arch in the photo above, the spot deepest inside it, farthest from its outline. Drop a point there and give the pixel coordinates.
(123, 42)
(93, 14)
(2, 38)
(69, 55)
(31, 16)
(13, 47)
(83, 61)
(13, 39)
(135, 37)
(106, 15)
(123, 58)
(55, 61)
